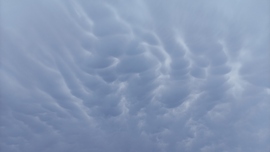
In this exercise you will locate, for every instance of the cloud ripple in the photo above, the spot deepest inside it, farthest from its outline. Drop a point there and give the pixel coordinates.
(135, 76)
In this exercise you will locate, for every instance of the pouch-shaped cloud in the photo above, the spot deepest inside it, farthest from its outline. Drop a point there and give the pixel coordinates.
(135, 76)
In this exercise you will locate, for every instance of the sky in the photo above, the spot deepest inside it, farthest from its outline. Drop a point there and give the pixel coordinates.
(135, 76)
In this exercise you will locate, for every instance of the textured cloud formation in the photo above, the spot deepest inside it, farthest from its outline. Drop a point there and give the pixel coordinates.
(129, 76)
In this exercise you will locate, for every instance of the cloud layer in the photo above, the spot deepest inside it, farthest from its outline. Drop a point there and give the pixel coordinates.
(135, 76)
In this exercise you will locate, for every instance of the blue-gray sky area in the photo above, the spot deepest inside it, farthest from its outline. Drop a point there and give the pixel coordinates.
(135, 76)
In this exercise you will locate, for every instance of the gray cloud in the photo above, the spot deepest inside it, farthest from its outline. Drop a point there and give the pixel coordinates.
(134, 76)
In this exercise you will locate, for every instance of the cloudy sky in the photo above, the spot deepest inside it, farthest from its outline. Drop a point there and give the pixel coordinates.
(135, 76)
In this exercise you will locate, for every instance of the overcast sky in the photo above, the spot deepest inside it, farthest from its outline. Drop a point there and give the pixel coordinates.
(135, 76)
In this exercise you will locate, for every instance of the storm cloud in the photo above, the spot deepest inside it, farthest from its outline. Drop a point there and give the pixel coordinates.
(138, 75)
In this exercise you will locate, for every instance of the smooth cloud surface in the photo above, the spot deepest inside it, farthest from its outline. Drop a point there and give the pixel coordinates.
(136, 75)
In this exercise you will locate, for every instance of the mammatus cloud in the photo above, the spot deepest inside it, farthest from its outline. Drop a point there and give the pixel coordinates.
(135, 76)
